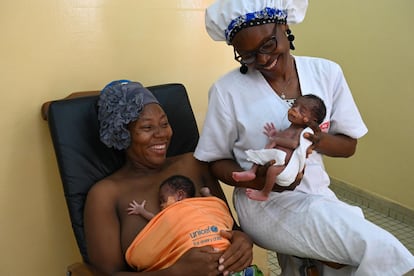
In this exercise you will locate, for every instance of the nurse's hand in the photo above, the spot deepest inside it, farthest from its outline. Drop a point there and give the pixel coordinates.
(291, 187)
(315, 138)
(261, 173)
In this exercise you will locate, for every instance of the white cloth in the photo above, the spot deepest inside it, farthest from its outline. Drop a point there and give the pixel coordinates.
(295, 164)
(309, 221)
(263, 156)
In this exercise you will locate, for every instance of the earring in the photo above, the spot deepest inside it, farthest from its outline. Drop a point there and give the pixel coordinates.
(243, 68)
(290, 37)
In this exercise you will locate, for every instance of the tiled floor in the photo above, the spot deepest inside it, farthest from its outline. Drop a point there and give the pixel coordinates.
(403, 231)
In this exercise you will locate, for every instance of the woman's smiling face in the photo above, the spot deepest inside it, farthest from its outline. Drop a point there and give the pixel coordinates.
(254, 42)
(150, 137)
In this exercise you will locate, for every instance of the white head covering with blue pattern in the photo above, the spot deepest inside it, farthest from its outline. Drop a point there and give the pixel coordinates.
(224, 18)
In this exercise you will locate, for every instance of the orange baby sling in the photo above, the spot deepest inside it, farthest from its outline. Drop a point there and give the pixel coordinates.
(192, 222)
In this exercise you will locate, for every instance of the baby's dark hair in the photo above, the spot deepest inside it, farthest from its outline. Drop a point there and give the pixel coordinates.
(180, 182)
(319, 109)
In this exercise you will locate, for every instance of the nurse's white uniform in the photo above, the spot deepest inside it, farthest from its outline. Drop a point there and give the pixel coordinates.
(309, 221)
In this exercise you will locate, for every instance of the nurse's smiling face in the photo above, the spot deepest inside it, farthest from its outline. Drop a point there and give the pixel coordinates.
(263, 47)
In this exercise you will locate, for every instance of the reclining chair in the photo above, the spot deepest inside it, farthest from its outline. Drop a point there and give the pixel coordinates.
(83, 159)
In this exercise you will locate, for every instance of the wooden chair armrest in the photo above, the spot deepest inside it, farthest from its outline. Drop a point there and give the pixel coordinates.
(45, 106)
(82, 269)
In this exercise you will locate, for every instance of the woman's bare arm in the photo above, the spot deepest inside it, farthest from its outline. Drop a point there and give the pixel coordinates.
(102, 229)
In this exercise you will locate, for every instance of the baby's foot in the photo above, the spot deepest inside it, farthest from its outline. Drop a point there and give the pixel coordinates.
(243, 176)
(256, 195)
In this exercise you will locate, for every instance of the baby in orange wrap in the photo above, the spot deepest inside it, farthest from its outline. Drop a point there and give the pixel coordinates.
(185, 221)
(173, 189)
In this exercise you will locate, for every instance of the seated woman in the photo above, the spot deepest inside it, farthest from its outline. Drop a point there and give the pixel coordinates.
(132, 119)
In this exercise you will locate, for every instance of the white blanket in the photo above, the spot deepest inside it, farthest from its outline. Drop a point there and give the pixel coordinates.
(295, 164)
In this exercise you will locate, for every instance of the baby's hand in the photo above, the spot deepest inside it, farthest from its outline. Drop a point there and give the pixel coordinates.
(270, 130)
(135, 208)
(205, 191)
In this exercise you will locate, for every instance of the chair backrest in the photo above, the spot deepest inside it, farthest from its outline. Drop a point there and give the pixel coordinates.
(83, 159)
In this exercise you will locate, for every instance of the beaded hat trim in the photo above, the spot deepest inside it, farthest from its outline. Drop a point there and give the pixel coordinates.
(265, 16)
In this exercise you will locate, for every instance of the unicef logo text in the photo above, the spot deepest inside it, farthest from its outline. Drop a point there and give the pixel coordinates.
(200, 232)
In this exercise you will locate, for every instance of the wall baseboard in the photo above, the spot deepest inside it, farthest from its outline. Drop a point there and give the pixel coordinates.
(382, 205)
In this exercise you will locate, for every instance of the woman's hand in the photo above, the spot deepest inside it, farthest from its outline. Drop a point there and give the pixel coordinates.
(333, 145)
(223, 169)
(315, 138)
(291, 187)
(261, 177)
(197, 261)
(239, 255)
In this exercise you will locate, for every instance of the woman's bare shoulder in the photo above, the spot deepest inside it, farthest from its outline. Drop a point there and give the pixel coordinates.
(197, 170)
(188, 160)
(104, 188)
(188, 157)
(184, 156)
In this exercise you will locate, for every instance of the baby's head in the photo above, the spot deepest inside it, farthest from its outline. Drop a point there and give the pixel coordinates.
(315, 106)
(175, 188)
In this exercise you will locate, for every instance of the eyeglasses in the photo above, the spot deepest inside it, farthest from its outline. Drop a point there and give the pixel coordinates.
(268, 47)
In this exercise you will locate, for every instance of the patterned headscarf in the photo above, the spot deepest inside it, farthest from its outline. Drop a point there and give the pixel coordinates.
(120, 103)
